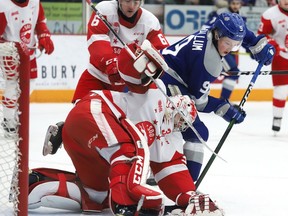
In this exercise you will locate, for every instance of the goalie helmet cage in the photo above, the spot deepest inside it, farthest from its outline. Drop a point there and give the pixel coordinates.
(14, 151)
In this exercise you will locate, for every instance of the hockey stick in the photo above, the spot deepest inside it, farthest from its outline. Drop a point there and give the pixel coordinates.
(159, 87)
(268, 72)
(232, 122)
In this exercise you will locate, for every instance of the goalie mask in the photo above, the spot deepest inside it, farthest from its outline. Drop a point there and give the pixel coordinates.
(184, 105)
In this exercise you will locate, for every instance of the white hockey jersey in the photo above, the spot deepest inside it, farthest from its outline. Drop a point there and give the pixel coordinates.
(274, 22)
(104, 45)
(146, 111)
(21, 22)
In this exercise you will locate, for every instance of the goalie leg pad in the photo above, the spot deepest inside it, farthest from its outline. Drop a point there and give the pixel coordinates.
(59, 202)
(50, 189)
(53, 182)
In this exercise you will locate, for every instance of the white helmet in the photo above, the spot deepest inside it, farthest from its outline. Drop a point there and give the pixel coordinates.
(185, 106)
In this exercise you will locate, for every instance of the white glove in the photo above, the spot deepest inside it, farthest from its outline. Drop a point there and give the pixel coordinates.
(150, 61)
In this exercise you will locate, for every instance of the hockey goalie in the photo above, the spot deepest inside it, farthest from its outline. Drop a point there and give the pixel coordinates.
(113, 138)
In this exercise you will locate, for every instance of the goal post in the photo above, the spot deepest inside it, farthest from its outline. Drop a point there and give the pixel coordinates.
(14, 128)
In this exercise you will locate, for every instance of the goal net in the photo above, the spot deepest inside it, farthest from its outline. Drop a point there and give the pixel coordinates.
(14, 128)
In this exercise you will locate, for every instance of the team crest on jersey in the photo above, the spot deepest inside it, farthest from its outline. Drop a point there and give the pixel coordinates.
(25, 33)
(116, 27)
(148, 130)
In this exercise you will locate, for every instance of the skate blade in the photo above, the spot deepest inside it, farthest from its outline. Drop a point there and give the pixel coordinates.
(48, 147)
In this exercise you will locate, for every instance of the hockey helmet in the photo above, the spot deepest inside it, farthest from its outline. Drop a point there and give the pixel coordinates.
(180, 111)
(230, 25)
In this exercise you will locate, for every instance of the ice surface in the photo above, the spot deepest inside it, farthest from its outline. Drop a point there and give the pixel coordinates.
(253, 182)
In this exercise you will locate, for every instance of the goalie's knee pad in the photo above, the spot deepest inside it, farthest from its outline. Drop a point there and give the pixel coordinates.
(63, 190)
(54, 195)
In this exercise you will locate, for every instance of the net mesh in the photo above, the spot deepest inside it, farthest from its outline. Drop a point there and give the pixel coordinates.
(9, 136)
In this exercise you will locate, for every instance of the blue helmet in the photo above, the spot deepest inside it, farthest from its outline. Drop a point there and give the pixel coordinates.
(230, 25)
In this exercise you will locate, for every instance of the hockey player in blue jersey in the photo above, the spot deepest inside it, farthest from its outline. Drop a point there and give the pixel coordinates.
(230, 61)
(196, 61)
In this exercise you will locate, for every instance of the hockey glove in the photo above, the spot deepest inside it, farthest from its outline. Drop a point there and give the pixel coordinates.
(134, 75)
(229, 112)
(112, 71)
(149, 62)
(46, 43)
(262, 51)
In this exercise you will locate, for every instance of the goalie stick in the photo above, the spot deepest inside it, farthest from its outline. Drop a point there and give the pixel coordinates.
(268, 72)
(134, 57)
(232, 122)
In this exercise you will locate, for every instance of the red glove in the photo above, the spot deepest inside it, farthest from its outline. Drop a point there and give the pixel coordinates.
(112, 71)
(46, 43)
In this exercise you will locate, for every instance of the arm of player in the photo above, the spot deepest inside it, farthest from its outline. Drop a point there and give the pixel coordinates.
(43, 33)
(3, 25)
(228, 112)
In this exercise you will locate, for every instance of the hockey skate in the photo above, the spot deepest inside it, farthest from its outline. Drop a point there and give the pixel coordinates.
(35, 177)
(53, 139)
(276, 125)
(199, 205)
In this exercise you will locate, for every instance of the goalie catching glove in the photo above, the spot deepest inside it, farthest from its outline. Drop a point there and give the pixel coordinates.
(137, 72)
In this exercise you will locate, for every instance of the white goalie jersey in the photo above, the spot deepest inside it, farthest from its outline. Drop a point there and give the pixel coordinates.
(147, 111)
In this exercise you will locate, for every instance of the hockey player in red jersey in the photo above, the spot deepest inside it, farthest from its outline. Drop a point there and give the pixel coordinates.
(112, 136)
(132, 23)
(274, 24)
(22, 21)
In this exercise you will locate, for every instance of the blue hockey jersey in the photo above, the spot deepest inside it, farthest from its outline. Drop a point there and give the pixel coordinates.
(194, 64)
